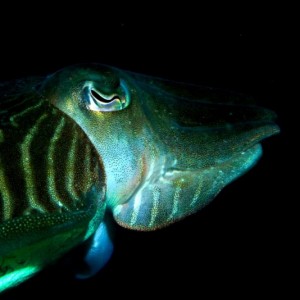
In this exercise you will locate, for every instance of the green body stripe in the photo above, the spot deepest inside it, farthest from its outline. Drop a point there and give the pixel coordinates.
(30, 183)
(47, 163)
(71, 167)
(87, 164)
(88, 167)
(51, 174)
(24, 112)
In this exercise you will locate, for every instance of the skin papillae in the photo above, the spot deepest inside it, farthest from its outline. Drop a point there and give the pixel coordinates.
(92, 138)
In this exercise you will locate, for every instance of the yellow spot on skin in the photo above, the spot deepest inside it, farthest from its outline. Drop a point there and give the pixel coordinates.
(70, 103)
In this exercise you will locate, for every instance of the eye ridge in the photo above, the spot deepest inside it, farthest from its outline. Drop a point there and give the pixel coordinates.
(98, 97)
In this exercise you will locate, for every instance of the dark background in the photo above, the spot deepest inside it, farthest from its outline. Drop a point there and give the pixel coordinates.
(234, 245)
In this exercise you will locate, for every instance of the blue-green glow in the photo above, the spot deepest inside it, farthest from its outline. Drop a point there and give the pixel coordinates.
(16, 277)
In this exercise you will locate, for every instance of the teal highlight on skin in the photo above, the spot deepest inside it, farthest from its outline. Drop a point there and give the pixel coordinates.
(99, 252)
(17, 276)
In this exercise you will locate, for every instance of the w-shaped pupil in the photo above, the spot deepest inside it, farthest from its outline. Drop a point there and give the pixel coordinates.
(98, 97)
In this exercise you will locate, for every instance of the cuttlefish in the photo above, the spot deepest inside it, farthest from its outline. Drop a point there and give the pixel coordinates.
(92, 139)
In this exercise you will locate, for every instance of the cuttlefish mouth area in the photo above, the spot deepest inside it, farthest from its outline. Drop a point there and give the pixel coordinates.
(169, 191)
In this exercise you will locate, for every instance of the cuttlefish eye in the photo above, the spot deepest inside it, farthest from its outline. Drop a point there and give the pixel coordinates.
(97, 100)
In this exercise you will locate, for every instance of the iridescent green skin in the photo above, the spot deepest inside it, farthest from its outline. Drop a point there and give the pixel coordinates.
(158, 151)
(52, 184)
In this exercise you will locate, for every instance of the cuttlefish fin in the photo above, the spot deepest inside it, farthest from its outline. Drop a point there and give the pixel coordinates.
(98, 253)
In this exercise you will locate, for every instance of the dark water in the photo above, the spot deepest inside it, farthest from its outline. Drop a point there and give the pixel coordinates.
(233, 245)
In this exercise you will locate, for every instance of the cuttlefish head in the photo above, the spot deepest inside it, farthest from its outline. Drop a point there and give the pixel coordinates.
(167, 148)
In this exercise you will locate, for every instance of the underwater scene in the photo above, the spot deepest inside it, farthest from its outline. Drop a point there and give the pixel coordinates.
(140, 161)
